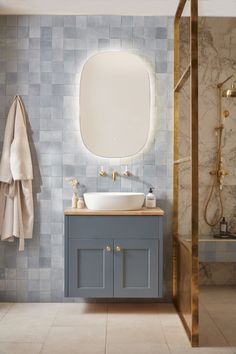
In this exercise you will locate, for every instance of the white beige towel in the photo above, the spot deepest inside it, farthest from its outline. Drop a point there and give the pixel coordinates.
(16, 175)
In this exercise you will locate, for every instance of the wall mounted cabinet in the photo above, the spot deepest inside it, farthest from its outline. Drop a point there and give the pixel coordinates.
(113, 256)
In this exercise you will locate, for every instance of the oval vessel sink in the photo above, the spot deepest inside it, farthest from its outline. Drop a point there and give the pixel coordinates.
(114, 201)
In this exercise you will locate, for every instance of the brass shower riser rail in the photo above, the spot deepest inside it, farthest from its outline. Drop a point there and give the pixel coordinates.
(183, 79)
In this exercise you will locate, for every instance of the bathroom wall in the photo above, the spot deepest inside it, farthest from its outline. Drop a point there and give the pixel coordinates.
(217, 53)
(41, 59)
(217, 62)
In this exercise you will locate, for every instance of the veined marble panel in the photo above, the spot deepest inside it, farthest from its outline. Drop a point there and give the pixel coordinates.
(217, 53)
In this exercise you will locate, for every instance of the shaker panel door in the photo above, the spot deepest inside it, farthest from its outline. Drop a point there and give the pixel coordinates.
(136, 268)
(90, 268)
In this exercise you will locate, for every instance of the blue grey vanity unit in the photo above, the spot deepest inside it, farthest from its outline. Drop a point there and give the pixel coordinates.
(113, 253)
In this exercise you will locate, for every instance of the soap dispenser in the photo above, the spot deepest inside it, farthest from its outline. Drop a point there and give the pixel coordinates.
(223, 227)
(150, 201)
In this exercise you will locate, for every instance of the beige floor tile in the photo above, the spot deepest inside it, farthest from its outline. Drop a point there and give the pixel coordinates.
(81, 315)
(168, 315)
(27, 322)
(170, 320)
(132, 308)
(4, 308)
(176, 337)
(34, 313)
(221, 310)
(224, 318)
(215, 350)
(209, 333)
(217, 294)
(137, 348)
(227, 327)
(46, 310)
(133, 328)
(20, 348)
(24, 332)
(74, 340)
(220, 304)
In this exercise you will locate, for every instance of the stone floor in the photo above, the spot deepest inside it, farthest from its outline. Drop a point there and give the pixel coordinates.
(69, 328)
(218, 316)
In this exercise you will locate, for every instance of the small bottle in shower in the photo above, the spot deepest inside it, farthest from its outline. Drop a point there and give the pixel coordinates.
(223, 227)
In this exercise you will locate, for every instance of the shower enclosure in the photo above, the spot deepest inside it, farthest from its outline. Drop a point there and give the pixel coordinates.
(204, 175)
(185, 240)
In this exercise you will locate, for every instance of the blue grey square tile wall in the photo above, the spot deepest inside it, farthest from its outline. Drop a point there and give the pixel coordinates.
(41, 58)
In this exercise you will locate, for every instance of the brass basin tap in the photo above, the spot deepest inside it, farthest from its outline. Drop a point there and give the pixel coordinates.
(126, 173)
(114, 175)
(102, 172)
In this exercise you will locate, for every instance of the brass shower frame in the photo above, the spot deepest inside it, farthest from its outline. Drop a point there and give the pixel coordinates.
(185, 254)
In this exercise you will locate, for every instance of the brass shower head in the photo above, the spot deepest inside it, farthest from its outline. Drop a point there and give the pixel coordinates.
(230, 92)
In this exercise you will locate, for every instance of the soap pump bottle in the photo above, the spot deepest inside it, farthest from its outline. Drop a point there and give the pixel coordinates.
(150, 199)
(223, 227)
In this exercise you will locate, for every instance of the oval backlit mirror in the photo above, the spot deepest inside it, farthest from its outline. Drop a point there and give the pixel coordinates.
(115, 100)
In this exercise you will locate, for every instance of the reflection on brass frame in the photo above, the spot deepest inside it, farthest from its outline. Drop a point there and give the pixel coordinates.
(185, 255)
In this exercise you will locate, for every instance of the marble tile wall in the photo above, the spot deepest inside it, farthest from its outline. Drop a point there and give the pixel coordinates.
(217, 62)
(41, 59)
(217, 53)
(217, 273)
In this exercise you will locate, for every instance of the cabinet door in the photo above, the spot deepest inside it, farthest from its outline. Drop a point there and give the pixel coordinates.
(136, 268)
(90, 268)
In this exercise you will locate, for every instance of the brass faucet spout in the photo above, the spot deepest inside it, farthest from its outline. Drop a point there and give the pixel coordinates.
(114, 174)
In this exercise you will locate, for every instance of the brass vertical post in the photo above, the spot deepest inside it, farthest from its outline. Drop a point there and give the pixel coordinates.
(195, 192)
(176, 156)
(189, 253)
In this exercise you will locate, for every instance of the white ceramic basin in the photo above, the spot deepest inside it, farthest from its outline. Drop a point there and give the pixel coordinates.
(114, 201)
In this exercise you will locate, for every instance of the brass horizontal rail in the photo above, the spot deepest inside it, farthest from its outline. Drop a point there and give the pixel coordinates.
(182, 79)
(184, 159)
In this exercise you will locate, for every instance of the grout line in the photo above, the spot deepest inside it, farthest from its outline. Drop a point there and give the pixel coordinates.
(164, 336)
(216, 325)
(11, 305)
(105, 352)
(49, 329)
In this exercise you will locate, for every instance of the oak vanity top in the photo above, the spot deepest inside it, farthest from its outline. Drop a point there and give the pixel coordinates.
(141, 212)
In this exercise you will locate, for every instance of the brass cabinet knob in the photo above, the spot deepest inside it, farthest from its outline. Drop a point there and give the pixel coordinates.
(118, 249)
(108, 248)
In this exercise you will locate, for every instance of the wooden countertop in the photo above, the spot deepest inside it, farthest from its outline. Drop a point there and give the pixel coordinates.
(141, 212)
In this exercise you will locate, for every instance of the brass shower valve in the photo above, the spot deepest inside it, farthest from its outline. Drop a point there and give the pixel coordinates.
(222, 173)
(219, 173)
(220, 127)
